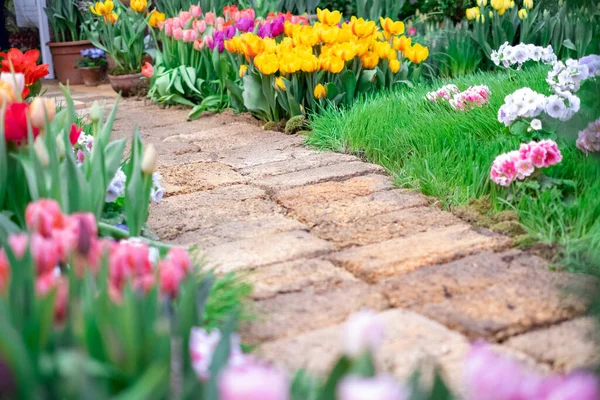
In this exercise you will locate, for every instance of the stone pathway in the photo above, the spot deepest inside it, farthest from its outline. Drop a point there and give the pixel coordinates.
(322, 235)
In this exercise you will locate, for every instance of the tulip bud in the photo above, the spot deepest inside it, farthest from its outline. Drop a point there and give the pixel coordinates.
(15, 83)
(149, 160)
(42, 153)
(60, 147)
(40, 108)
(95, 112)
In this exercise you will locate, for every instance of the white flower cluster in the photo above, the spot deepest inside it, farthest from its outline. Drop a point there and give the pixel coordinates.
(527, 103)
(86, 141)
(510, 55)
(568, 76)
(116, 188)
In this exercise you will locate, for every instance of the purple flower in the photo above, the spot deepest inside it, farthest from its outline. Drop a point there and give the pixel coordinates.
(230, 32)
(277, 26)
(264, 30)
(245, 24)
(219, 41)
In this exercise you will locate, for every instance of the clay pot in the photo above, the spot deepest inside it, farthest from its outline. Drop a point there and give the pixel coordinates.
(64, 55)
(128, 85)
(92, 76)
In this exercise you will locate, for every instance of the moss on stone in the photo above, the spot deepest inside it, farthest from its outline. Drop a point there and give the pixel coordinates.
(296, 124)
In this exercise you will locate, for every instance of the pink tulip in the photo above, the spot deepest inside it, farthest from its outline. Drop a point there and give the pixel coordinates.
(189, 35)
(170, 277)
(4, 271)
(128, 260)
(199, 26)
(209, 17)
(184, 17)
(45, 253)
(18, 244)
(196, 11)
(178, 34)
(236, 15)
(43, 216)
(168, 28)
(198, 45)
(253, 381)
(209, 41)
(49, 281)
(248, 13)
(148, 70)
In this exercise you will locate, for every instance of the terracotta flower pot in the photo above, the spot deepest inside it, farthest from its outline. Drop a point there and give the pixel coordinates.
(92, 76)
(128, 85)
(64, 55)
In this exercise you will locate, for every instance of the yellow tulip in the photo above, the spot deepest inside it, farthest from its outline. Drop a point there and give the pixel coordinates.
(369, 60)
(103, 8)
(390, 27)
(309, 63)
(402, 43)
(528, 3)
(251, 44)
(522, 13)
(243, 69)
(361, 46)
(319, 92)
(289, 28)
(345, 51)
(156, 18)
(472, 13)
(270, 45)
(329, 17)
(381, 48)
(233, 45)
(481, 19)
(307, 36)
(328, 34)
(279, 84)
(334, 64)
(512, 4)
(266, 63)
(289, 63)
(394, 66)
(138, 5)
(112, 18)
(481, 3)
(362, 28)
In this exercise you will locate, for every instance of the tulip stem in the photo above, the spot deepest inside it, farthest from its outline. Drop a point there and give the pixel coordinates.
(106, 229)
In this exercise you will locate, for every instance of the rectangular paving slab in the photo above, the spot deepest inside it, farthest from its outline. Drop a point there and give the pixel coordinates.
(303, 162)
(292, 313)
(394, 257)
(491, 295)
(192, 177)
(335, 172)
(264, 250)
(294, 276)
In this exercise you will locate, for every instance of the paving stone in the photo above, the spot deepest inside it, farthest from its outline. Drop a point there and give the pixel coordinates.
(270, 149)
(566, 347)
(332, 191)
(244, 228)
(375, 262)
(186, 178)
(381, 227)
(327, 173)
(293, 313)
(294, 164)
(294, 276)
(223, 138)
(176, 215)
(489, 295)
(264, 250)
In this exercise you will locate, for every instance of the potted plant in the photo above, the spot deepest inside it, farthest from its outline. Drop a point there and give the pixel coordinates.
(92, 65)
(120, 32)
(66, 20)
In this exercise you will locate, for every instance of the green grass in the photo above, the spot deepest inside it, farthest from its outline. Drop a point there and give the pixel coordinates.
(448, 154)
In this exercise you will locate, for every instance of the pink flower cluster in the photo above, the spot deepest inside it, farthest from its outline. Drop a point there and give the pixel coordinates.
(519, 164)
(210, 30)
(57, 241)
(490, 376)
(474, 96)
(589, 138)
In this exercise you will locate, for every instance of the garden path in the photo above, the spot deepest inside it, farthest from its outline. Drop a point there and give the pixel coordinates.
(322, 235)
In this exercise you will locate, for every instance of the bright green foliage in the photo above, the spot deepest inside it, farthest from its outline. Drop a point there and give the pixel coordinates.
(448, 154)
(65, 19)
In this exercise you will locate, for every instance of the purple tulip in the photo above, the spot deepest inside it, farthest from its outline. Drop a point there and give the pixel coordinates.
(245, 24)
(277, 26)
(264, 30)
(230, 32)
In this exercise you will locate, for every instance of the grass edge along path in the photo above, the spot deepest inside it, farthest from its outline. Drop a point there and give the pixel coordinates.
(447, 154)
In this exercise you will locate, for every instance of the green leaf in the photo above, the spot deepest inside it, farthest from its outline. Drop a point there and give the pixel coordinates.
(349, 84)
(337, 373)
(332, 90)
(569, 45)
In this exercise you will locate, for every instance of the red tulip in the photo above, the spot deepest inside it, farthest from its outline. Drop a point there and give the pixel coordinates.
(148, 70)
(74, 134)
(24, 63)
(15, 123)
